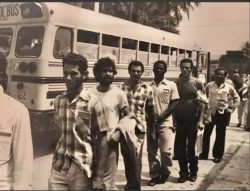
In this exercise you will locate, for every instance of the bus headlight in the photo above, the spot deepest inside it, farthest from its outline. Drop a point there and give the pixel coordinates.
(23, 66)
(31, 10)
(32, 67)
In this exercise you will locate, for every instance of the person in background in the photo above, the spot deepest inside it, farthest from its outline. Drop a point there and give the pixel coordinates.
(72, 165)
(218, 93)
(242, 89)
(141, 103)
(188, 117)
(166, 99)
(16, 149)
(110, 104)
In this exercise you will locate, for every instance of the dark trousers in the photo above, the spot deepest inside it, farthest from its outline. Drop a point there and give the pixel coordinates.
(132, 156)
(186, 133)
(221, 121)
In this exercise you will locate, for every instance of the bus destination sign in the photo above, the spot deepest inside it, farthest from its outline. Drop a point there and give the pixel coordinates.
(8, 11)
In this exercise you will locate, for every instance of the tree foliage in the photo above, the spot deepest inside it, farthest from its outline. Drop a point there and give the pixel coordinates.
(162, 15)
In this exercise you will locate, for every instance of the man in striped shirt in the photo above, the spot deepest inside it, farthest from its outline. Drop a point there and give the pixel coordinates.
(141, 104)
(73, 157)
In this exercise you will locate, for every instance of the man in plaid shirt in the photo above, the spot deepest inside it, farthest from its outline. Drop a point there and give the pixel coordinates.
(141, 104)
(72, 161)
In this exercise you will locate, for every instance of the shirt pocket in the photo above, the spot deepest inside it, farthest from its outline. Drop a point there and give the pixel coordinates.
(5, 144)
(165, 96)
(82, 125)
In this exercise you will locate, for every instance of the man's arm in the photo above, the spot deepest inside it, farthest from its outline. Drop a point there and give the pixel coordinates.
(150, 113)
(236, 99)
(172, 105)
(22, 149)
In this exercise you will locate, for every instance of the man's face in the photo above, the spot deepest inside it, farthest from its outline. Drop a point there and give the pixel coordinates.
(219, 76)
(159, 70)
(186, 69)
(135, 73)
(72, 76)
(106, 76)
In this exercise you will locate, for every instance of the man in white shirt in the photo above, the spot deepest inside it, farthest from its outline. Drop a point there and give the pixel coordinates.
(16, 149)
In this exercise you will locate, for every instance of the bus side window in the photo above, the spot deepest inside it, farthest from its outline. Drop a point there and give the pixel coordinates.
(63, 42)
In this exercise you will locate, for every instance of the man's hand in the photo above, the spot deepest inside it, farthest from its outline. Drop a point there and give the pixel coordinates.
(173, 129)
(200, 126)
(115, 138)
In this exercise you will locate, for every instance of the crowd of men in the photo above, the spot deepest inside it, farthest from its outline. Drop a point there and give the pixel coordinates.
(93, 123)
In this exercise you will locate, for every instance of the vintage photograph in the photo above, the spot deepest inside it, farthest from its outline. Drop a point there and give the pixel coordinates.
(150, 95)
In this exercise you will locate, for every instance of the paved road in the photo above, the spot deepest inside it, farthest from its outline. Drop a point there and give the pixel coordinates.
(233, 173)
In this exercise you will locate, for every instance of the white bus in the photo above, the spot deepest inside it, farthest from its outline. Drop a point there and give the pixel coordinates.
(36, 36)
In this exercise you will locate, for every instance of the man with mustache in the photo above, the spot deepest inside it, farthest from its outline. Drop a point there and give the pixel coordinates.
(110, 104)
(141, 104)
(219, 95)
(72, 160)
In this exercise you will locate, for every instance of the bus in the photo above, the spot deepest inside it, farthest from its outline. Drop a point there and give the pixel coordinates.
(36, 36)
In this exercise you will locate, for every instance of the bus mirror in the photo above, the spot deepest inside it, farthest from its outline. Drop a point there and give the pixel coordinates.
(202, 77)
(31, 10)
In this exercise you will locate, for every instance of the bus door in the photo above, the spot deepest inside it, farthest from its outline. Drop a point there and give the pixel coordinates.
(7, 33)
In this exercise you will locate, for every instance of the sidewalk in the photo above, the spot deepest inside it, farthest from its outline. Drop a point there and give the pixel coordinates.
(232, 173)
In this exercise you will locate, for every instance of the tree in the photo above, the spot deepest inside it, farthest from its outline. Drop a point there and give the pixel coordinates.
(162, 15)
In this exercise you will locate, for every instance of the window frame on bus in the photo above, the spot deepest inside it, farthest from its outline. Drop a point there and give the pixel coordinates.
(71, 41)
(17, 47)
(6, 53)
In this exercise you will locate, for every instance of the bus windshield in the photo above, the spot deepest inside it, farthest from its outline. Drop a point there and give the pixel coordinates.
(6, 35)
(29, 41)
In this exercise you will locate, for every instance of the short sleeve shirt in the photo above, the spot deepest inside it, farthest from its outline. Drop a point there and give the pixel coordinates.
(163, 94)
(76, 141)
(138, 100)
(108, 107)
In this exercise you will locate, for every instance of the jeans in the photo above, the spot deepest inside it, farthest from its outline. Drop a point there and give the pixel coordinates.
(75, 179)
(185, 140)
(111, 168)
(132, 157)
(163, 142)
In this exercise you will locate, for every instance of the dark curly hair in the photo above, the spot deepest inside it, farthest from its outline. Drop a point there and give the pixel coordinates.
(102, 63)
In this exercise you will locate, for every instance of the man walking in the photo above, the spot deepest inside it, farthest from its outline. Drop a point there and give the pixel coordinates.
(73, 157)
(166, 98)
(16, 149)
(110, 104)
(188, 115)
(141, 103)
(219, 93)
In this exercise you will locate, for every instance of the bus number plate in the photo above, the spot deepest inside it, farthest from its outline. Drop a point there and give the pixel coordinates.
(21, 94)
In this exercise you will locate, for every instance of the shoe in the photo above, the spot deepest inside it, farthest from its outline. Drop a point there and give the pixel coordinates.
(182, 179)
(239, 124)
(154, 181)
(216, 160)
(164, 178)
(192, 178)
(201, 157)
(174, 158)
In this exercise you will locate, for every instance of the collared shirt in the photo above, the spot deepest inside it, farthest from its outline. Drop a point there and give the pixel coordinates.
(163, 94)
(138, 100)
(220, 98)
(108, 106)
(16, 150)
(75, 143)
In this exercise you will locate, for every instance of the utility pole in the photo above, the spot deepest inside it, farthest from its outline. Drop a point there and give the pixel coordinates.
(96, 6)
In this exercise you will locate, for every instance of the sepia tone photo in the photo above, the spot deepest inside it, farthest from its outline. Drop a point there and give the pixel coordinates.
(124, 95)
